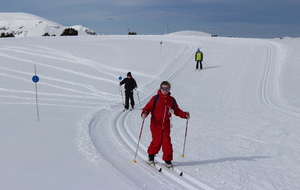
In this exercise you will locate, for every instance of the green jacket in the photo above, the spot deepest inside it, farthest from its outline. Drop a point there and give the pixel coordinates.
(198, 56)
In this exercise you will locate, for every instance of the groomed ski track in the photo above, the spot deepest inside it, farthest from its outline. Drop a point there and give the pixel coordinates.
(115, 126)
(243, 132)
(115, 134)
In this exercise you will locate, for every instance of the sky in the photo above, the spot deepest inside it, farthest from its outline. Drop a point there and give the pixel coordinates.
(238, 18)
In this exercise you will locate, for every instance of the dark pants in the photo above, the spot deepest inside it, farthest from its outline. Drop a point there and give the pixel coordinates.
(129, 95)
(197, 64)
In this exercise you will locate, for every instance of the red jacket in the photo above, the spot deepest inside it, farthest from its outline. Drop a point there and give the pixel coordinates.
(161, 111)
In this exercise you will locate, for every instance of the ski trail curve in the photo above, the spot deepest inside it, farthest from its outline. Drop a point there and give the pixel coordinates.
(269, 90)
(111, 136)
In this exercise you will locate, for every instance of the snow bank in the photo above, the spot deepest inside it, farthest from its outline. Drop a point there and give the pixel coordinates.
(190, 33)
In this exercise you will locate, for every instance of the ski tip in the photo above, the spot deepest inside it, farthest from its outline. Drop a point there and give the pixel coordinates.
(182, 155)
(134, 161)
(180, 174)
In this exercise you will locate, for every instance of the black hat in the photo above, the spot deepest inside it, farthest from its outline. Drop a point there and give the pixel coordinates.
(129, 74)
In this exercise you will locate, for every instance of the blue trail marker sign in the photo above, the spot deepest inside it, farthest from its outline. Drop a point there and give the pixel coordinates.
(36, 79)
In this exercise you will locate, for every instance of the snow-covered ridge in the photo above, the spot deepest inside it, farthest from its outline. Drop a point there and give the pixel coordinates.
(190, 33)
(25, 25)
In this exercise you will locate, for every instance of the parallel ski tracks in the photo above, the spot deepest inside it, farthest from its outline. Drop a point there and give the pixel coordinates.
(117, 127)
(130, 141)
(267, 84)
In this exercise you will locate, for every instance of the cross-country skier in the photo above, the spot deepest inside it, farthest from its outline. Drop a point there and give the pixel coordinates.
(130, 85)
(161, 107)
(198, 59)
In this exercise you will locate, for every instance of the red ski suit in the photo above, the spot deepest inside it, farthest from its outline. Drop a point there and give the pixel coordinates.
(160, 123)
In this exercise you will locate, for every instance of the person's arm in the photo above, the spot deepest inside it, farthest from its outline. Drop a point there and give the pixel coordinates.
(123, 81)
(178, 112)
(148, 108)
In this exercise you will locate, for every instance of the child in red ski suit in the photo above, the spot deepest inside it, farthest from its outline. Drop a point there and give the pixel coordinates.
(161, 107)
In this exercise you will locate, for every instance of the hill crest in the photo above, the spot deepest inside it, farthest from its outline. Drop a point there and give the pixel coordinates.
(27, 25)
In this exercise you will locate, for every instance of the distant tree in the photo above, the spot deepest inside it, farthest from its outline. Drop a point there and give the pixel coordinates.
(10, 35)
(3, 35)
(131, 33)
(46, 34)
(70, 32)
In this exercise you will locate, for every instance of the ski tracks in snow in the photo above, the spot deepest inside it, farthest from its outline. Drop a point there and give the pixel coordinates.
(269, 84)
(55, 86)
(113, 136)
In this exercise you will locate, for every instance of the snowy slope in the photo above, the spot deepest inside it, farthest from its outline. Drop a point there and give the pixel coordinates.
(244, 105)
(191, 33)
(26, 25)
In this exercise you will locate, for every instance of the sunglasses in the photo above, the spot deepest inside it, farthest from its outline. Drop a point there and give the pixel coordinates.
(165, 88)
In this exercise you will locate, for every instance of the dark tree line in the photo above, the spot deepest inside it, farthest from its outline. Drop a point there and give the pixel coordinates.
(66, 32)
(3, 35)
(70, 32)
(131, 33)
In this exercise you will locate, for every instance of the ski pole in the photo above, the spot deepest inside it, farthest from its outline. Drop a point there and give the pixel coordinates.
(134, 160)
(205, 63)
(187, 121)
(120, 78)
(139, 98)
(122, 96)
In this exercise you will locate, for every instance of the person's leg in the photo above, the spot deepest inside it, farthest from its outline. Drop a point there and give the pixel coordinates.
(167, 145)
(132, 100)
(126, 100)
(155, 144)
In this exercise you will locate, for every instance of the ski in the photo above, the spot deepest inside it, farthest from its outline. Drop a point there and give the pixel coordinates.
(179, 172)
(172, 169)
(159, 169)
(160, 166)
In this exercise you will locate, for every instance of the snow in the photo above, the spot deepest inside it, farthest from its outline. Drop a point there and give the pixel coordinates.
(29, 25)
(244, 106)
(190, 33)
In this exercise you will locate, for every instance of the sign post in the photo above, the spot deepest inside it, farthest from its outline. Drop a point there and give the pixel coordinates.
(160, 47)
(120, 78)
(36, 79)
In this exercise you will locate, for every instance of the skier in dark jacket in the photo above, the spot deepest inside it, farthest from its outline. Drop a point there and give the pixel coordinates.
(198, 59)
(130, 85)
(161, 107)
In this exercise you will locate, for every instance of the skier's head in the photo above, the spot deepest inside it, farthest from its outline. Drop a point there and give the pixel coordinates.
(198, 49)
(165, 83)
(165, 87)
(129, 74)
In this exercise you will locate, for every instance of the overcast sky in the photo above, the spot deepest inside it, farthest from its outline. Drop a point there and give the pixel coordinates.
(240, 18)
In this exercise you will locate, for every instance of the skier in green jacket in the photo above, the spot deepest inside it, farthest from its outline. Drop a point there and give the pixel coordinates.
(198, 59)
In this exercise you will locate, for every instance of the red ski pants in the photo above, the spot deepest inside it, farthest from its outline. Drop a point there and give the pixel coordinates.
(161, 138)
